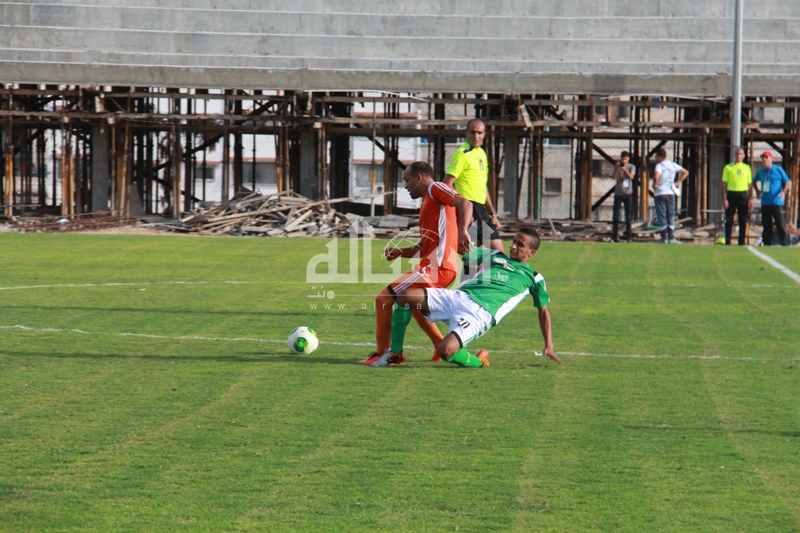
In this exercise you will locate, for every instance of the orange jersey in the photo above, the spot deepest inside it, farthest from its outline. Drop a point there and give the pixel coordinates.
(438, 228)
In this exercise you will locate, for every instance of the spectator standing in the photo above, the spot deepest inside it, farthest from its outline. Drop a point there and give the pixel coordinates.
(737, 187)
(623, 194)
(668, 174)
(468, 173)
(772, 186)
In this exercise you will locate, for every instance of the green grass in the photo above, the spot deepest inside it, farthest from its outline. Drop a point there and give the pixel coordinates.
(676, 408)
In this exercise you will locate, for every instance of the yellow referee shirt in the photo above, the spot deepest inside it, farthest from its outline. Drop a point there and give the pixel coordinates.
(738, 176)
(471, 169)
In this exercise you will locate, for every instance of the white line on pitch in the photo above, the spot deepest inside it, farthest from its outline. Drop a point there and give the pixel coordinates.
(701, 285)
(370, 344)
(145, 283)
(149, 283)
(774, 263)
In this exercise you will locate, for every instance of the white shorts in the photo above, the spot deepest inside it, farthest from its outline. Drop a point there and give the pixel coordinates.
(466, 319)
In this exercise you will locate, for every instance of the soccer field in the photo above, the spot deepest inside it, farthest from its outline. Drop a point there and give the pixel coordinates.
(146, 385)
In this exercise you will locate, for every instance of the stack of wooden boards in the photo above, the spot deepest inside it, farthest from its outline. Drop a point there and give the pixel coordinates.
(288, 214)
(285, 214)
(69, 223)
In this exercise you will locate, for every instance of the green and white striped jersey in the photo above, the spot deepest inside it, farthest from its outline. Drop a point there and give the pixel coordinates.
(502, 283)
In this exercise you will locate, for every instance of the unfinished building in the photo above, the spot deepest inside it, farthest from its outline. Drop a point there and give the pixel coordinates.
(160, 106)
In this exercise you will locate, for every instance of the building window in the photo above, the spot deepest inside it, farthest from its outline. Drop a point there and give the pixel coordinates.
(552, 185)
(210, 172)
(556, 141)
(363, 171)
(265, 173)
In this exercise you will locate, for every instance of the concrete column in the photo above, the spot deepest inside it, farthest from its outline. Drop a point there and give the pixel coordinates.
(510, 170)
(101, 168)
(308, 164)
(340, 154)
(717, 159)
(439, 162)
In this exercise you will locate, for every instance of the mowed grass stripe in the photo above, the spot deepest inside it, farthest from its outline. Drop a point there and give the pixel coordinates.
(637, 314)
(574, 464)
(758, 410)
(146, 478)
(696, 476)
(33, 382)
(166, 310)
(90, 431)
(759, 315)
(129, 258)
(789, 256)
(117, 480)
(239, 447)
(435, 437)
(536, 432)
(345, 462)
(639, 451)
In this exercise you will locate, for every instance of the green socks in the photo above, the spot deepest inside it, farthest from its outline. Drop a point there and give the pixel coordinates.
(464, 358)
(401, 316)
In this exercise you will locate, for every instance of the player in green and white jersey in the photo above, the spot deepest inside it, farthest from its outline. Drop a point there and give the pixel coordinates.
(482, 302)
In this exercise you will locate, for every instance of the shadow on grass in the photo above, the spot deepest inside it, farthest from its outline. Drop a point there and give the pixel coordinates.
(250, 357)
(256, 357)
(795, 434)
(720, 430)
(159, 310)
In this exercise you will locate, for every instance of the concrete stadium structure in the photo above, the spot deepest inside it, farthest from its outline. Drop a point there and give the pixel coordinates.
(679, 47)
(104, 103)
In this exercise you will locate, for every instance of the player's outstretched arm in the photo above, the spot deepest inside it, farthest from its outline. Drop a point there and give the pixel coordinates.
(547, 333)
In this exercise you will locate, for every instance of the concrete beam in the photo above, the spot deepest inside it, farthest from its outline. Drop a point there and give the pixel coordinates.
(308, 165)
(510, 177)
(681, 47)
(101, 168)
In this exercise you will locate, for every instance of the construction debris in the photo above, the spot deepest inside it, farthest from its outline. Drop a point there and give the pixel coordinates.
(586, 230)
(288, 214)
(69, 223)
(285, 214)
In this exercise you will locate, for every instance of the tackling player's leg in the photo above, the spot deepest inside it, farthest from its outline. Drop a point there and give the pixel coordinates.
(391, 324)
(467, 321)
(384, 302)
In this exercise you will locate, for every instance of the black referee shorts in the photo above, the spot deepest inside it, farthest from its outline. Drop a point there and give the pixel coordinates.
(482, 216)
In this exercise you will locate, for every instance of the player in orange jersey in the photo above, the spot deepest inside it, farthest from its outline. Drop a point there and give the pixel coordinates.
(443, 219)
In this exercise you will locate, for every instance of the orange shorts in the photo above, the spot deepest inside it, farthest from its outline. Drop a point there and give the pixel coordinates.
(438, 278)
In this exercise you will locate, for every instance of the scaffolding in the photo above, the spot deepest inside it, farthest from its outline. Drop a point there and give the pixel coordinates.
(132, 151)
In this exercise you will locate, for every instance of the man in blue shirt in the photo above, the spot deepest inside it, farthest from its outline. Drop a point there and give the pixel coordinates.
(772, 185)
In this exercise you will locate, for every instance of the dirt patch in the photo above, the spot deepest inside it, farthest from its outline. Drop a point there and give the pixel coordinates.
(129, 230)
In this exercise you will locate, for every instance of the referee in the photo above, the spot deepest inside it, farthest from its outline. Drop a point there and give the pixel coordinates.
(468, 173)
(737, 186)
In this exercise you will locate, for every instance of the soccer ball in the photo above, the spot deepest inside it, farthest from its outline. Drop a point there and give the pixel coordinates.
(303, 340)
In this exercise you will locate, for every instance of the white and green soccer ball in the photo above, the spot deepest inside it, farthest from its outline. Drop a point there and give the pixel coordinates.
(303, 340)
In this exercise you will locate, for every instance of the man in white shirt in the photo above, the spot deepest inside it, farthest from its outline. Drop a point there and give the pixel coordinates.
(668, 174)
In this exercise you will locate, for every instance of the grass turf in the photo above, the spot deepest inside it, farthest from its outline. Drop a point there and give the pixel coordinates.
(126, 404)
